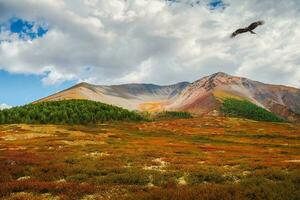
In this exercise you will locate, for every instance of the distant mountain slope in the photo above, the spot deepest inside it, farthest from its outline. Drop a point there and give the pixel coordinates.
(130, 96)
(203, 96)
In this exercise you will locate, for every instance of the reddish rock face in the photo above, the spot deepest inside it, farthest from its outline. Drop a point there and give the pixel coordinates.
(206, 95)
(203, 96)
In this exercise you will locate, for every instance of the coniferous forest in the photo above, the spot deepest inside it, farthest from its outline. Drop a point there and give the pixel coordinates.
(66, 112)
(245, 109)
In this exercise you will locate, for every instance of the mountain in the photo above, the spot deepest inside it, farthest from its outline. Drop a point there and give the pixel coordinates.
(206, 95)
(130, 96)
(203, 96)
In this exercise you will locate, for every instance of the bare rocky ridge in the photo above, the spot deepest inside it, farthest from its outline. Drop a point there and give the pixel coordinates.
(203, 96)
(129, 96)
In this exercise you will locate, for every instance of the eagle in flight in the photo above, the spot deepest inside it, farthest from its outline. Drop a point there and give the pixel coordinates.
(250, 28)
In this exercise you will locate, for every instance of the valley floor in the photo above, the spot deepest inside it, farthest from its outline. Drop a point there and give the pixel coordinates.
(199, 158)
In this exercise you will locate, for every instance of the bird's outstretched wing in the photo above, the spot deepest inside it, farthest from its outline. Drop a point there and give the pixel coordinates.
(255, 24)
(239, 31)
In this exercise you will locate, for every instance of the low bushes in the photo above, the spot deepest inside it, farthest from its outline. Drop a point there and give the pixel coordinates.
(173, 114)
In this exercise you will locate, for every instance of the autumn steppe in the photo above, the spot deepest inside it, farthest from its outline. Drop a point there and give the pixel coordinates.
(199, 158)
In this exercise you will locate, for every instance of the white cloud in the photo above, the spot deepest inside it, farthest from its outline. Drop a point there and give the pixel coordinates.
(151, 41)
(55, 77)
(4, 106)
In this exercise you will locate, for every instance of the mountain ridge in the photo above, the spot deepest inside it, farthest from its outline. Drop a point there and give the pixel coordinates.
(203, 96)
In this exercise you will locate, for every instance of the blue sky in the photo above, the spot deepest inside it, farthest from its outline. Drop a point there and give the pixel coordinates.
(19, 89)
(217, 4)
(47, 46)
(26, 29)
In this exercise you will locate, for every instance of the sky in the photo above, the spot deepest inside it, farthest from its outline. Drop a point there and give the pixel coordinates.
(49, 45)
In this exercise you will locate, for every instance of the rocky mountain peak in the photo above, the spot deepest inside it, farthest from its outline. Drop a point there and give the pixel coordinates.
(219, 75)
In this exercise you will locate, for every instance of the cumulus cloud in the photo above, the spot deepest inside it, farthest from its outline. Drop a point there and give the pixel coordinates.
(117, 41)
(4, 106)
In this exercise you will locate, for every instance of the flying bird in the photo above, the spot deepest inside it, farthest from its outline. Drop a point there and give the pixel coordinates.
(250, 28)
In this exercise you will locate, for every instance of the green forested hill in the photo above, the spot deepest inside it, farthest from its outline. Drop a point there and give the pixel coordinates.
(66, 112)
(245, 109)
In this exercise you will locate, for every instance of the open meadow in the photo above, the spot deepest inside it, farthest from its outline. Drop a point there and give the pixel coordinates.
(197, 158)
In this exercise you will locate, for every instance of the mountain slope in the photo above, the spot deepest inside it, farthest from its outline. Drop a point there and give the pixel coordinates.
(130, 96)
(207, 94)
(204, 96)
